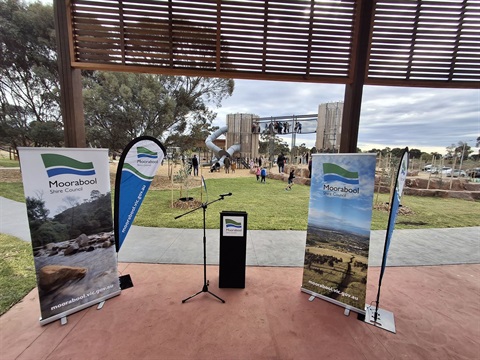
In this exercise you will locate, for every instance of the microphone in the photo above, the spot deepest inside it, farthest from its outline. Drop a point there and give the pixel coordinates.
(223, 195)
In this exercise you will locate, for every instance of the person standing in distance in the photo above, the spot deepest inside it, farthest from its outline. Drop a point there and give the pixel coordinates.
(195, 165)
(226, 164)
(280, 162)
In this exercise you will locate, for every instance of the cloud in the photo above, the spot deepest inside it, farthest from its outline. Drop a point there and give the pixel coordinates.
(422, 118)
(419, 117)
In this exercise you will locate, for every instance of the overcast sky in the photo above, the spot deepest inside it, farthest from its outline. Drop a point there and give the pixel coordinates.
(420, 118)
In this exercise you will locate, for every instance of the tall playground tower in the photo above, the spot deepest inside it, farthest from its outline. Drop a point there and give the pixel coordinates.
(244, 130)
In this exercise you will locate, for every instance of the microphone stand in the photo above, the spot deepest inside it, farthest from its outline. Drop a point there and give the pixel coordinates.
(205, 281)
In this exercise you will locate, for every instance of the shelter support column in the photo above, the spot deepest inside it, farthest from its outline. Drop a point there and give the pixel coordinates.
(354, 90)
(71, 99)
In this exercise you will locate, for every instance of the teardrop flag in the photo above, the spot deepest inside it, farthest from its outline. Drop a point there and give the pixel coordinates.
(395, 205)
(137, 167)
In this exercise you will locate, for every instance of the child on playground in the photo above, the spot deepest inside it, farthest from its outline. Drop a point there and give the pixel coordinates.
(263, 174)
(257, 172)
(291, 176)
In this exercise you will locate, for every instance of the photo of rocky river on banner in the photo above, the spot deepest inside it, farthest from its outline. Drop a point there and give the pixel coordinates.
(74, 272)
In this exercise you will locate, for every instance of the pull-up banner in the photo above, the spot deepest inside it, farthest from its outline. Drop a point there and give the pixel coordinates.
(69, 212)
(136, 169)
(338, 231)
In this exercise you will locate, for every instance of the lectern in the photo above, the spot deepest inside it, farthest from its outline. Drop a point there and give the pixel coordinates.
(233, 249)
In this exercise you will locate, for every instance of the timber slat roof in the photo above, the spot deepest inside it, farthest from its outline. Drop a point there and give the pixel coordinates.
(432, 43)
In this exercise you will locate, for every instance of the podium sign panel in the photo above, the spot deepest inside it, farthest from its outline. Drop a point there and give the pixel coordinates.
(338, 231)
(69, 211)
(233, 249)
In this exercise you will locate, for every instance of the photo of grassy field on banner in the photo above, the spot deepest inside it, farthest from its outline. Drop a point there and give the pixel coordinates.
(338, 261)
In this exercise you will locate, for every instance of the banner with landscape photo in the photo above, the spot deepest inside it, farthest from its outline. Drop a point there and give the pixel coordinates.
(338, 231)
(69, 211)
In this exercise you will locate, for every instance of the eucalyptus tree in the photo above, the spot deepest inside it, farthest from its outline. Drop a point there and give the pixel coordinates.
(121, 106)
(28, 70)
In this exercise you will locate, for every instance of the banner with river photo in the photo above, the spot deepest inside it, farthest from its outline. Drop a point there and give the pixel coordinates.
(69, 212)
(338, 230)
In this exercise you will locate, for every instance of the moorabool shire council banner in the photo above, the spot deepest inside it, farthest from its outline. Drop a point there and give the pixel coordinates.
(69, 212)
(338, 231)
(136, 169)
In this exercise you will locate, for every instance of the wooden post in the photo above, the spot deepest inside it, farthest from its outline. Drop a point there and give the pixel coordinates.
(71, 99)
(354, 90)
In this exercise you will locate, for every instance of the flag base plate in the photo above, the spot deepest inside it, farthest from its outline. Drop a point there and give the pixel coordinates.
(385, 319)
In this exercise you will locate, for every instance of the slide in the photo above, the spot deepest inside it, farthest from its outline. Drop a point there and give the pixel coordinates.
(220, 154)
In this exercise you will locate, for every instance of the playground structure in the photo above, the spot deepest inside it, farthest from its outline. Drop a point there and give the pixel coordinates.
(292, 127)
(329, 126)
(243, 132)
(240, 139)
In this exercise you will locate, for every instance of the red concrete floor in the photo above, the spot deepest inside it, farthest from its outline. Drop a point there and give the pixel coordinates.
(436, 309)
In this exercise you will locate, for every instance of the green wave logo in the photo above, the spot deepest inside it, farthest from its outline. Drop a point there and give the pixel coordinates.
(232, 224)
(143, 152)
(333, 172)
(130, 168)
(56, 164)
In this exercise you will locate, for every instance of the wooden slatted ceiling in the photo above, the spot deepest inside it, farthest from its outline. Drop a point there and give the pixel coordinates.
(413, 43)
(298, 40)
(425, 42)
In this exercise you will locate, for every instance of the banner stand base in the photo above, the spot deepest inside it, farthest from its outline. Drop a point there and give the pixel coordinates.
(346, 312)
(125, 282)
(326, 298)
(385, 319)
(63, 316)
(64, 320)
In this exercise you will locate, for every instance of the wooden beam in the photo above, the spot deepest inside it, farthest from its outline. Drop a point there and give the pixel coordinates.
(71, 99)
(352, 102)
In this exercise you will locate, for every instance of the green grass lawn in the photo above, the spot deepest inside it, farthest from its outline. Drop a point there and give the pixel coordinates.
(12, 191)
(6, 162)
(17, 272)
(270, 207)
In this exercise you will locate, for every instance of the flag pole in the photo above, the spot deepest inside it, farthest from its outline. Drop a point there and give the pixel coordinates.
(394, 206)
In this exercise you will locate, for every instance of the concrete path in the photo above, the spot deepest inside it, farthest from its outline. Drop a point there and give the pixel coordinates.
(272, 248)
(13, 219)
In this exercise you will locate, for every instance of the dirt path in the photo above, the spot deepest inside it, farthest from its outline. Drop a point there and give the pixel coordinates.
(161, 181)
